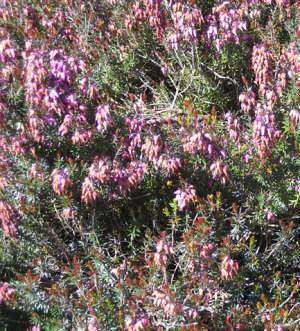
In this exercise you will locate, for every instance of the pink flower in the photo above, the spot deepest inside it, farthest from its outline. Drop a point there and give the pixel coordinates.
(220, 171)
(206, 251)
(92, 326)
(88, 191)
(36, 172)
(129, 177)
(100, 170)
(192, 313)
(297, 185)
(66, 124)
(171, 165)
(164, 301)
(165, 70)
(35, 328)
(6, 293)
(68, 213)
(246, 157)
(247, 100)
(294, 117)
(81, 136)
(103, 118)
(163, 251)
(226, 23)
(61, 181)
(8, 217)
(234, 128)
(262, 61)
(141, 322)
(200, 142)
(152, 148)
(229, 268)
(185, 197)
(271, 216)
(265, 132)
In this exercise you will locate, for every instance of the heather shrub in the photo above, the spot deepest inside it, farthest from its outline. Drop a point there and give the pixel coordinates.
(149, 165)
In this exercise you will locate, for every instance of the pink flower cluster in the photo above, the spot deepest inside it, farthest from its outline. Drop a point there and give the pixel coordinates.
(9, 219)
(139, 323)
(7, 48)
(289, 67)
(100, 170)
(35, 328)
(152, 148)
(169, 164)
(265, 132)
(294, 117)
(185, 197)
(229, 268)
(103, 118)
(165, 302)
(177, 19)
(207, 250)
(225, 25)
(134, 142)
(130, 177)
(61, 181)
(220, 171)
(37, 172)
(150, 11)
(262, 64)
(92, 325)
(69, 213)
(247, 100)
(6, 293)
(124, 179)
(8, 56)
(89, 194)
(201, 142)
(81, 136)
(234, 128)
(185, 21)
(49, 79)
(163, 251)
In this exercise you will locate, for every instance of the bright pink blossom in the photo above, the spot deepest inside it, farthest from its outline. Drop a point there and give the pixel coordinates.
(6, 293)
(185, 197)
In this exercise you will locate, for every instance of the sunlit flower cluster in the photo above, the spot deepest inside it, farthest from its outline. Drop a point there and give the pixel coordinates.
(149, 172)
(6, 293)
